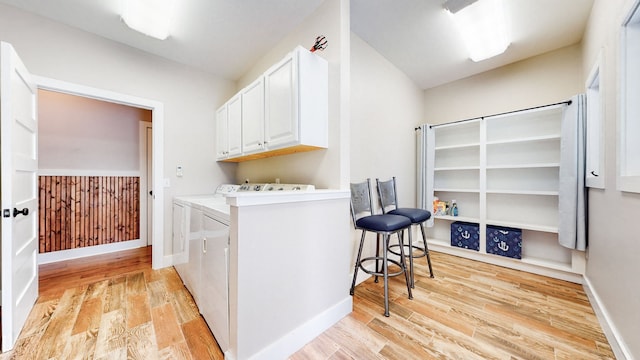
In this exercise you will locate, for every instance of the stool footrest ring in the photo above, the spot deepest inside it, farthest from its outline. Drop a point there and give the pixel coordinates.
(380, 258)
(422, 253)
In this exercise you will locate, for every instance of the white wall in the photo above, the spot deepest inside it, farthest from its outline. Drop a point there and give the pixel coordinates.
(544, 79)
(386, 106)
(78, 133)
(614, 250)
(322, 168)
(190, 97)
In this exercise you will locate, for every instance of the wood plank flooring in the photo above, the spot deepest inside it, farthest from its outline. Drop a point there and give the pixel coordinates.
(470, 310)
(115, 306)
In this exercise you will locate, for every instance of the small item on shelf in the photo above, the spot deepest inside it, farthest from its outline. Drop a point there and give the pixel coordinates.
(441, 208)
(435, 205)
(454, 208)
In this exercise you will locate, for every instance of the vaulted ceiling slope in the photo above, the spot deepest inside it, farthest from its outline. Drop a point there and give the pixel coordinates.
(226, 37)
(418, 37)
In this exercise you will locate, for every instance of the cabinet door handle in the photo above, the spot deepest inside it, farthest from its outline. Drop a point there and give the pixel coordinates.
(17, 212)
(204, 245)
(594, 173)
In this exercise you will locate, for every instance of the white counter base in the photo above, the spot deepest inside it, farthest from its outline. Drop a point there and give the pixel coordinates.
(289, 263)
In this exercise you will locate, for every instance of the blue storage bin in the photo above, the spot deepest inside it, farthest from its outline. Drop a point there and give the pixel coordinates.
(465, 235)
(504, 241)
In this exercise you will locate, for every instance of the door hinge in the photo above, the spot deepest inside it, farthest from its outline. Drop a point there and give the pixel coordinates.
(6, 213)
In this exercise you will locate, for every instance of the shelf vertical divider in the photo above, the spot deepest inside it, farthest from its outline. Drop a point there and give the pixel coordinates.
(483, 186)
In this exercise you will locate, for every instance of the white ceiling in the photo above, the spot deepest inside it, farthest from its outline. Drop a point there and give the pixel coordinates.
(225, 37)
(418, 37)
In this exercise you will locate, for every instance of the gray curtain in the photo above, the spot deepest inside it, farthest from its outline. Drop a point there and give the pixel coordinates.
(572, 227)
(426, 160)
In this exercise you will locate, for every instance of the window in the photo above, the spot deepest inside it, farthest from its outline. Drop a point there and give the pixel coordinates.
(629, 122)
(595, 132)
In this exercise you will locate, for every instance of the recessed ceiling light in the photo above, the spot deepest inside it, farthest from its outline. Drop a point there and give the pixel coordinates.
(482, 25)
(150, 17)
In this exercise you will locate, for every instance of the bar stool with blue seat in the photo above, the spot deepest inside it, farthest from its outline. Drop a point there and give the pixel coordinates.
(383, 225)
(389, 203)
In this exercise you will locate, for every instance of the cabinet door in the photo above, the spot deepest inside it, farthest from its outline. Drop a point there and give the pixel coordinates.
(191, 277)
(234, 125)
(281, 103)
(222, 133)
(214, 306)
(179, 234)
(253, 117)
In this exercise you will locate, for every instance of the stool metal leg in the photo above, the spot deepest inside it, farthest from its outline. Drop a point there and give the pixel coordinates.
(408, 277)
(426, 249)
(385, 269)
(375, 278)
(410, 256)
(355, 271)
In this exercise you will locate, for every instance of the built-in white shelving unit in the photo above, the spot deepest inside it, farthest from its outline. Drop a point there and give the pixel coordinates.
(504, 171)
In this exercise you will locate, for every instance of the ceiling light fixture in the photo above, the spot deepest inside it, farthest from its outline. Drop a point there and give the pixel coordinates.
(150, 17)
(482, 24)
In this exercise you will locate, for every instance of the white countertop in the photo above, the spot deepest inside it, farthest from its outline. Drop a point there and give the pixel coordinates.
(282, 197)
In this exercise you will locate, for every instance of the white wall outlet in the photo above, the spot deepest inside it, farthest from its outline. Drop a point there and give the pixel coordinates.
(179, 171)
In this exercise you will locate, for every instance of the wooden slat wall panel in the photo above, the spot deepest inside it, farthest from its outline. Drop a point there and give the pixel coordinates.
(81, 211)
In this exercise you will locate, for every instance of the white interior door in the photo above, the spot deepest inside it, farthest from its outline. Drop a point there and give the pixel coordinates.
(19, 195)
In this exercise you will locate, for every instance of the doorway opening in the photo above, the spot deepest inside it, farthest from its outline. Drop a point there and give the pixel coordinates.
(154, 232)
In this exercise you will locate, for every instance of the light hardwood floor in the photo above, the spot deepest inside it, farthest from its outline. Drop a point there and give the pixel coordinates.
(116, 307)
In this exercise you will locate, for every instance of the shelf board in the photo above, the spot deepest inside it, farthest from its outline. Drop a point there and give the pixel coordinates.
(524, 192)
(457, 146)
(457, 218)
(547, 264)
(537, 266)
(454, 168)
(524, 226)
(523, 166)
(524, 139)
(457, 190)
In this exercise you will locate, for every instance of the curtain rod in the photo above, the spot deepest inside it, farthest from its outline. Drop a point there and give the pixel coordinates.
(568, 102)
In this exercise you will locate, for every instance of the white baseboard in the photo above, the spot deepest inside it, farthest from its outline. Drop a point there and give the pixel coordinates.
(56, 256)
(299, 337)
(562, 272)
(616, 342)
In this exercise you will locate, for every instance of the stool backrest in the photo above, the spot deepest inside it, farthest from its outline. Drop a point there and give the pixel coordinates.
(361, 203)
(387, 194)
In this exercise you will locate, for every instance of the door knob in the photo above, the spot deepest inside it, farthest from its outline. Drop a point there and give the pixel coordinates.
(24, 212)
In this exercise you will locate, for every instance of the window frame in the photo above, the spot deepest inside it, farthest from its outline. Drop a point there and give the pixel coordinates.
(628, 165)
(595, 158)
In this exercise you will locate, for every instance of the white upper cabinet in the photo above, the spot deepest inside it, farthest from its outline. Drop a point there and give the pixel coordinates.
(234, 120)
(253, 117)
(222, 133)
(285, 110)
(229, 129)
(281, 103)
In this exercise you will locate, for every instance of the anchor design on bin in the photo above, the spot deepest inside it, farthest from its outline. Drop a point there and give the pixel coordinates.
(503, 246)
(465, 234)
